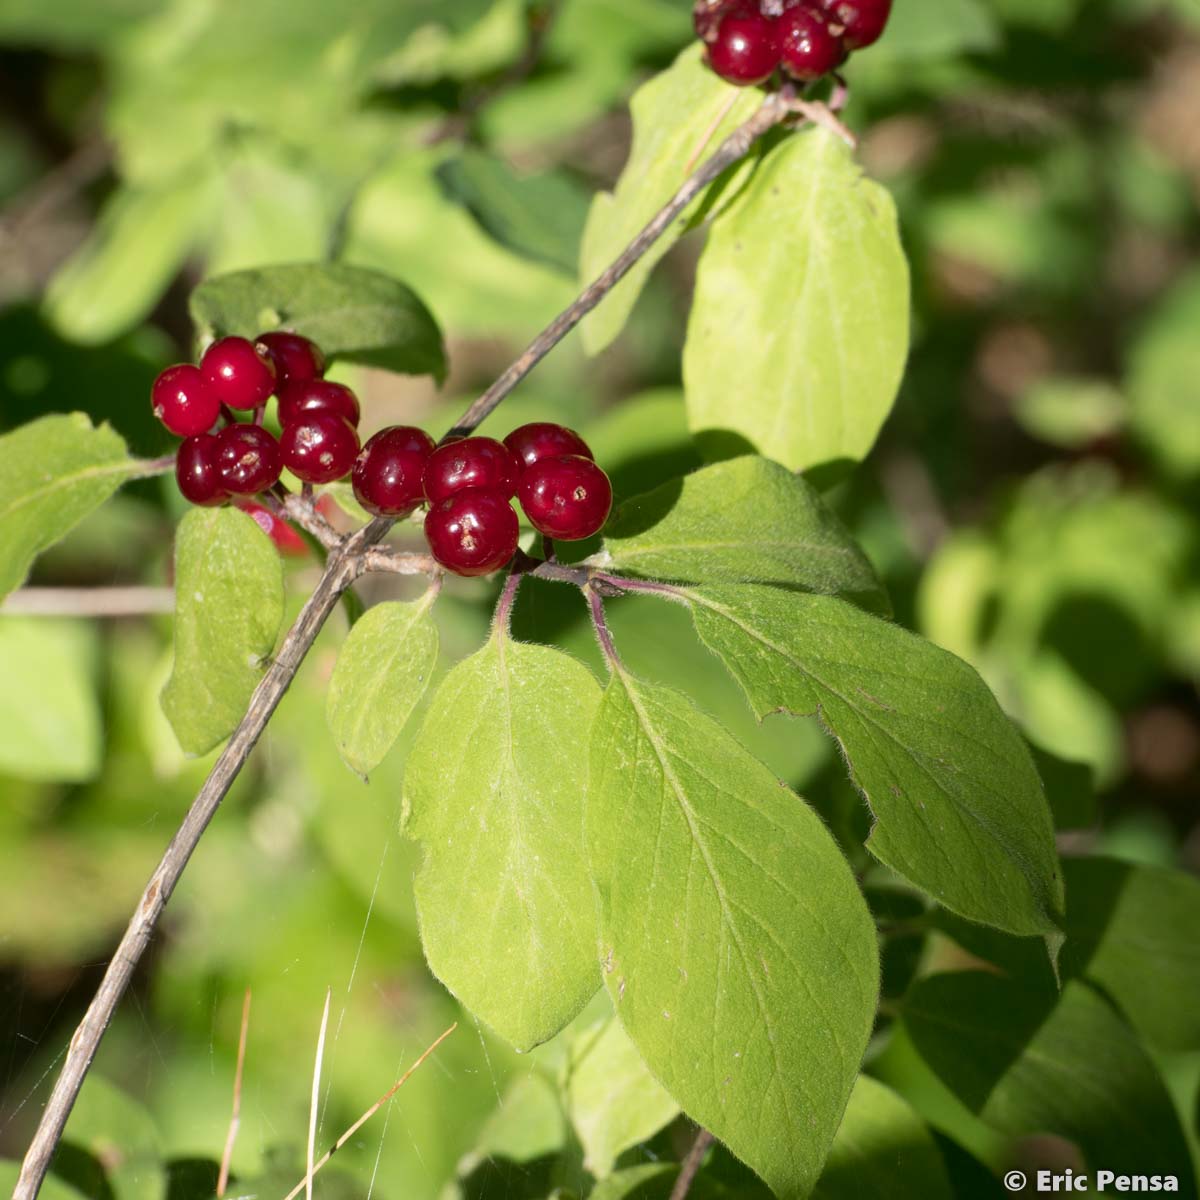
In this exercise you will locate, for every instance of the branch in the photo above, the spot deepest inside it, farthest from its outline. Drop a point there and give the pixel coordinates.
(347, 560)
(89, 602)
(691, 1165)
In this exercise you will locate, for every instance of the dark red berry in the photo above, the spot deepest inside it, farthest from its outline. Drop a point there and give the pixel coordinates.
(183, 402)
(707, 15)
(320, 448)
(744, 49)
(543, 439)
(237, 373)
(287, 541)
(862, 20)
(808, 46)
(248, 458)
(474, 532)
(295, 358)
(568, 497)
(299, 400)
(389, 473)
(476, 462)
(198, 472)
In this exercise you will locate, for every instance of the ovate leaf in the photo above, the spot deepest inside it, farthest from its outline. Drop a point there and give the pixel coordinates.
(883, 1149)
(959, 808)
(382, 671)
(228, 609)
(350, 312)
(679, 116)
(56, 471)
(736, 946)
(493, 789)
(799, 327)
(614, 1101)
(748, 519)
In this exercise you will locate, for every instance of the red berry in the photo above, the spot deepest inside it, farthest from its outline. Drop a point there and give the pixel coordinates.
(183, 402)
(808, 46)
(543, 439)
(745, 49)
(300, 400)
(287, 540)
(707, 15)
(568, 497)
(476, 462)
(237, 373)
(295, 358)
(474, 532)
(248, 459)
(320, 448)
(198, 473)
(389, 473)
(863, 20)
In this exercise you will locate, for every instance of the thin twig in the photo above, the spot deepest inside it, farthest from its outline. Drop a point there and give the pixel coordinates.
(316, 1098)
(235, 1119)
(89, 602)
(600, 624)
(691, 1165)
(306, 1182)
(347, 560)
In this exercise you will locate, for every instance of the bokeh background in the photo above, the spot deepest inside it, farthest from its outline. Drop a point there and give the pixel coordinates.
(1032, 502)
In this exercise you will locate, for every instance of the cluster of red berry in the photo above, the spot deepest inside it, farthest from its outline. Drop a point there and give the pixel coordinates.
(469, 483)
(749, 40)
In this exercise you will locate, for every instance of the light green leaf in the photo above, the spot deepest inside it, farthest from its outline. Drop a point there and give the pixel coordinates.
(883, 1149)
(736, 946)
(528, 1124)
(350, 312)
(382, 671)
(748, 519)
(613, 1100)
(56, 471)
(228, 609)
(678, 116)
(799, 327)
(944, 28)
(49, 711)
(1032, 1063)
(492, 789)
(959, 808)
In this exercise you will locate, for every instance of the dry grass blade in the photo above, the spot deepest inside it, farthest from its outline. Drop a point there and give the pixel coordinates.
(316, 1096)
(236, 1116)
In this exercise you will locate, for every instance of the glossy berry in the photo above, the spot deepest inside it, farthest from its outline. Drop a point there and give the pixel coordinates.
(474, 532)
(198, 473)
(320, 448)
(862, 20)
(295, 358)
(287, 541)
(707, 15)
(183, 402)
(543, 439)
(744, 49)
(808, 46)
(237, 373)
(248, 459)
(389, 473)
(476, 462)
(568, 497)
(299, 400)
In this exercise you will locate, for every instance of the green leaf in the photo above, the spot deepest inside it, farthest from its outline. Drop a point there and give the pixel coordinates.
(736, 947)
(799, 327)
(350, 312)
(120, 1133)
(492, 789)
(1127, 924)
(49, 710)
(382, 671)
(681, 115)
(959, 808)
(229, 606)
(538, 216)
(77, 24)
(51, 1189)
(56, 471)
(1028, 1064)
(748, 519)
(613, 1100)
(882, 1149)
(655, 1181)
